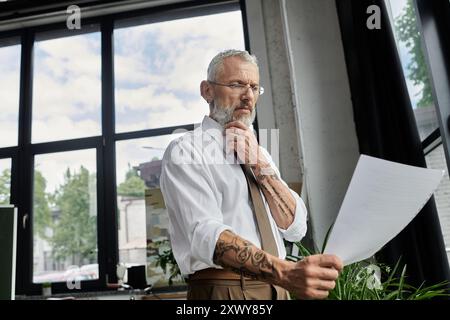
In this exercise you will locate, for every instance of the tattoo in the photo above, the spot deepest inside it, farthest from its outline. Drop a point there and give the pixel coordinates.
(280, 200)
(242, 253)
(261, 177)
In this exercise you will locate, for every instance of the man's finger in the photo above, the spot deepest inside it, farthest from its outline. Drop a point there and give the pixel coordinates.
(237, 124)
(331, 261)
(328, 274)
(327, 260)
(237, 131)
(319, 294)
(327, 285)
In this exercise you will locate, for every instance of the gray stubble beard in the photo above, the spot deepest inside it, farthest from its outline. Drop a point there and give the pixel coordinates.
(224, 115)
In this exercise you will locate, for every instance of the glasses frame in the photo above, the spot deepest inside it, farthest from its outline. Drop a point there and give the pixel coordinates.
(240, 86)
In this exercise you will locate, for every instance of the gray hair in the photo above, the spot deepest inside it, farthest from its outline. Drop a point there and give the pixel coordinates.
(217, 62)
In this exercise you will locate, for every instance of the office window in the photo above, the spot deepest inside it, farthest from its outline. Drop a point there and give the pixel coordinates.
(436, 160)
(156, 69)
(404, 22)
(67, 88)
(159, 67)
(5, 181)
(9, 94)
(414, 66)
(143, 219)
(65, 217)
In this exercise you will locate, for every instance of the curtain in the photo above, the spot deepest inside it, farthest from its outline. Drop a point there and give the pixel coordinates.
(386, 129)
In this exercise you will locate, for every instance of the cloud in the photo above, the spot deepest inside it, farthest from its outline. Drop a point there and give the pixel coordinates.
(76, 55)
(8, 133)
(53, 166)
(181, 51)
(159, 68)
(67, 88)
(9, 94)
(63, 127)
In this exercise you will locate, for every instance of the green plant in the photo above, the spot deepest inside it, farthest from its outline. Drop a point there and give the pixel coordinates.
(165, 259)
(361, 281)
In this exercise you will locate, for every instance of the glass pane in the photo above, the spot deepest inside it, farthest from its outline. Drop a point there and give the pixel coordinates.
(5, 181)
(143, 219)
(414, 65)
(159, 67)
(436, 160)
(67, 88)
(9, 95)
(65, 217)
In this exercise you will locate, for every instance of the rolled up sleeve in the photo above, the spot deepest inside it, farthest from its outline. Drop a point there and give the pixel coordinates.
(193, 209)
(297, 230)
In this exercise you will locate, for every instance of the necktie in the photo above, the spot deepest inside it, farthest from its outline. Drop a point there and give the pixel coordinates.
(267, 239)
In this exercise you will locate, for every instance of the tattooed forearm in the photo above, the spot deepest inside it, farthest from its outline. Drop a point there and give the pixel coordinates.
(243, 257)
(281, 202)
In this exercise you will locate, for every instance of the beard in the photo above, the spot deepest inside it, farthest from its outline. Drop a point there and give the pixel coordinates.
(224, 115)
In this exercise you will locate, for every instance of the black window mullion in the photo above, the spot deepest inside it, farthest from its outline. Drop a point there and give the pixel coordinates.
(24, 170)
(64, 146)
(108, 236)
(436, 134)
(153, 132)
(7, 152)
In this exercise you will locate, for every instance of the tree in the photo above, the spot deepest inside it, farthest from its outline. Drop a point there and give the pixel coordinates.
(409, 34)
(5, 186)
(133, 185)
(75, 233)
(41, 213)
(42, 218)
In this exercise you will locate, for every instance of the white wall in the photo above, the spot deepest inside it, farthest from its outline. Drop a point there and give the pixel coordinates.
(275, 107)
(323, 104)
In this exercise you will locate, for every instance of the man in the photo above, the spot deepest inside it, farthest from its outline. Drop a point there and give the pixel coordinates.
(225, 235)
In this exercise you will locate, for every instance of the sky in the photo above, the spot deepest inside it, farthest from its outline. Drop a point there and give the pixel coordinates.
(9, 94)
(158, 69)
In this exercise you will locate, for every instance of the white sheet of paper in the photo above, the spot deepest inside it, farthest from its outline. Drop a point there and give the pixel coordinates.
(382, 198)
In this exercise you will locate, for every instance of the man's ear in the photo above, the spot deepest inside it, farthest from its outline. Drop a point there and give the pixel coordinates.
(206, 91)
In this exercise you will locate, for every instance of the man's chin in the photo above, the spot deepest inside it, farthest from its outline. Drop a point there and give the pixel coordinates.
(246, 120)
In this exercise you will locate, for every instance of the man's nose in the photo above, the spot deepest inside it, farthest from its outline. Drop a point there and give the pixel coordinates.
(246, 95)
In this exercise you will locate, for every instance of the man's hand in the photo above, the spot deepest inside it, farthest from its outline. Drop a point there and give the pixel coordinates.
(242, 140)
(281, 202)
(312, 277)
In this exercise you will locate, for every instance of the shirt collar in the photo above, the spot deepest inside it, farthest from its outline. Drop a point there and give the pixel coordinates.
(213, 128)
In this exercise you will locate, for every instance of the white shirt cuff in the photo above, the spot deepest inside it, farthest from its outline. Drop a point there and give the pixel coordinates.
(297, 230)
(204, 240)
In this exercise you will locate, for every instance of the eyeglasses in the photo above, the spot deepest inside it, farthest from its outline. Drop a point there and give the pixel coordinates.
(241, 88)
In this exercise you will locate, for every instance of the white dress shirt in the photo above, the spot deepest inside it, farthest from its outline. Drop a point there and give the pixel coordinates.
(206, 193)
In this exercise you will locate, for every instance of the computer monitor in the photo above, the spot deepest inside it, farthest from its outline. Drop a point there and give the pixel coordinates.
(8, 241)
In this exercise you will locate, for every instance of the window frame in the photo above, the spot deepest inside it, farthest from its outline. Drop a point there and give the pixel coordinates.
(22, 155)
(432, 19)
(433, 22)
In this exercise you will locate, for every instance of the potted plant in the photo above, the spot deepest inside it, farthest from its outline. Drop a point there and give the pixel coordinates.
(368, 280)
(166, 260)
